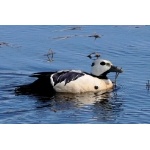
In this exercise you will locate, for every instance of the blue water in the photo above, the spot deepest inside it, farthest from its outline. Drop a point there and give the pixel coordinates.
(23, 51)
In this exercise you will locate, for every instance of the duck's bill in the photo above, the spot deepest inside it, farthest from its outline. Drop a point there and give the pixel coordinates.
(115, 69)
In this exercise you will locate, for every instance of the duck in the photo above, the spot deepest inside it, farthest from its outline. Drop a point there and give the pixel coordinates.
(72, 81)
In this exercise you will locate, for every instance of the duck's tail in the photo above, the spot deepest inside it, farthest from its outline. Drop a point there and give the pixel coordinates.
(41, 86)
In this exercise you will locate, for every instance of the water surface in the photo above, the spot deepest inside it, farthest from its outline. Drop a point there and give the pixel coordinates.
(23, 51)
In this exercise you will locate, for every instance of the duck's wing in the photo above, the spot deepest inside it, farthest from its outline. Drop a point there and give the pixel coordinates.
(66, 76)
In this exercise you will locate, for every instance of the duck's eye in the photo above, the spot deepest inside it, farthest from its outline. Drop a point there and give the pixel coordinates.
(102, 63)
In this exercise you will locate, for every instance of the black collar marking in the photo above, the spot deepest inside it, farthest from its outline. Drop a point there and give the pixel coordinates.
(66, 76)
(103, 76)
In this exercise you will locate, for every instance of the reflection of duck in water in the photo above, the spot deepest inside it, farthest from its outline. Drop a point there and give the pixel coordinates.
(88, 98)
(72, 81)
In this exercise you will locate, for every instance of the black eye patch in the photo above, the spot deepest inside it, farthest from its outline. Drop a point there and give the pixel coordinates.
(93, 64)
(102, 63)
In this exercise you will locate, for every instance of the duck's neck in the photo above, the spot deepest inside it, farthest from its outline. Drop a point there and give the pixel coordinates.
(102, 76)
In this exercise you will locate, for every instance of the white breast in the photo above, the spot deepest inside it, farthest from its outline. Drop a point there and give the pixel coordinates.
(85, 83)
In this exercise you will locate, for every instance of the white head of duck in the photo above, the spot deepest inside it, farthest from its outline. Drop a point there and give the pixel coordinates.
(101, 67)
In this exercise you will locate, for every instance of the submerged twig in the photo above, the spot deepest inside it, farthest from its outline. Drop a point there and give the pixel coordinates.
(50, 55)
(148, 85)
(116, 76)
(93, 55)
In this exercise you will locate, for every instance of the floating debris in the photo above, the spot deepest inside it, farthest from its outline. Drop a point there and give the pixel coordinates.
(61, 38)
(70, 28)
(95, 36)
(64, 37)
(148, 85)
(94, 55)
(75, 28)
(3, 44)
(8, 45)
(137, 27)
(50, 55)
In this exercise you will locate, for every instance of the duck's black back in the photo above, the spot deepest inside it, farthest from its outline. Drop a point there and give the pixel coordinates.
(41, 86)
